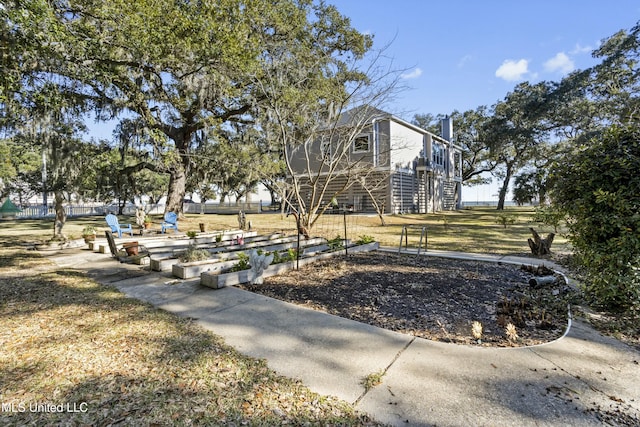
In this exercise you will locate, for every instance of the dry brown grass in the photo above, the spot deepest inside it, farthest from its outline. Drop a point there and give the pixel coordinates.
(66, 340)
(470, 230)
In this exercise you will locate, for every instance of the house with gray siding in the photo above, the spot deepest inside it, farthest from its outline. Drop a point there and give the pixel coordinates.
(378, 155)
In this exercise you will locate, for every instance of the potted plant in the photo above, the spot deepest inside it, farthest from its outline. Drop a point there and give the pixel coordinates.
(147, 222)
(131, 248)
(89, 233)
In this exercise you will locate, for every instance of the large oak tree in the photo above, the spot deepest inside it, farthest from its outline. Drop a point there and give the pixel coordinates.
(185, 69)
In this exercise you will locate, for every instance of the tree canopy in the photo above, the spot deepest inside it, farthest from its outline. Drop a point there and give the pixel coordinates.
(184, 70)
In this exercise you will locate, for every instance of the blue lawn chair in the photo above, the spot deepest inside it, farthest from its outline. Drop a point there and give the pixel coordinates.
(170, 221)
(116, 227)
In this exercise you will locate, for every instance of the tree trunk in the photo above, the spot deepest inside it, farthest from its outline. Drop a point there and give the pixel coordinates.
(177, 190)
(380, 211)
(61, 216)
(502, 195)
(179, 171)
(538, 245)
(272, 195)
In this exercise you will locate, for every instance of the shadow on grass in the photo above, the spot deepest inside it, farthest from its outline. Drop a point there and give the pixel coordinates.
(134, 400)
(20, 258)
(67, 340)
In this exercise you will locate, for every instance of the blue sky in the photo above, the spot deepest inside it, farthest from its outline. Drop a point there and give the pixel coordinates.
(459, 55)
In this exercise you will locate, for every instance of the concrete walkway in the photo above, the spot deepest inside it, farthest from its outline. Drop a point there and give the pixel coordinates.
(583, 379)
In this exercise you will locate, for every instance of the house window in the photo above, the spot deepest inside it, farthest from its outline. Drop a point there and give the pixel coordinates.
(361, 144)
(457, 171)
(438, 154)
(325, 149)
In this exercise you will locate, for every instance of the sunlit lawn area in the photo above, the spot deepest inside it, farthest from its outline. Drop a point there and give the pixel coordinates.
(470, 230)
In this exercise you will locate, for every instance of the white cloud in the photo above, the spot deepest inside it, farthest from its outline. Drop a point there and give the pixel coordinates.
(417, 72)
(463, 61)
(581, 49)
(511, 70)
(561, 62)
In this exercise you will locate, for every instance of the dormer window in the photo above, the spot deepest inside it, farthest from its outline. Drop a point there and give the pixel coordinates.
(361, 144)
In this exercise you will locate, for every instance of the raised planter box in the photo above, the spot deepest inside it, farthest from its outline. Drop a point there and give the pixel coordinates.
(190, 270)
(179, 242)
(217, 281)
(165, 261)
(227, 260)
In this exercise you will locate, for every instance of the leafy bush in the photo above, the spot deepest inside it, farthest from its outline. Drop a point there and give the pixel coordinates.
(292, 254)
(288, 256)
(89, 230)
(192, 234)
(598, 192)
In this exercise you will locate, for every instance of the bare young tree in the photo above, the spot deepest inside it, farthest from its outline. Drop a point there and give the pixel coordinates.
(316, 126)
(372, 184)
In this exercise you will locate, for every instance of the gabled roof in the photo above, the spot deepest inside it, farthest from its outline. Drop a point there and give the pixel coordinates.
(366, 113)
(361, 114)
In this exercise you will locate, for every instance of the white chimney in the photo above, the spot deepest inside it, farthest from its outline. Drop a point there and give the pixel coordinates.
(447, 129)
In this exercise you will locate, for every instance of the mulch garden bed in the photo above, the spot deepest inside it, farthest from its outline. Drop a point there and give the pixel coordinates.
(434, 298)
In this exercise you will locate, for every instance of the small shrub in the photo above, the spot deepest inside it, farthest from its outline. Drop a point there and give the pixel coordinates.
(89, 230)
(242, 264)
(336, 243)
(505, 219)
(372, 380)
(292, 254)
(192, 234)
(549, 216)
(193, 253)
(445, 221)
(364, 239)
(511, 332)
(288, 256)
